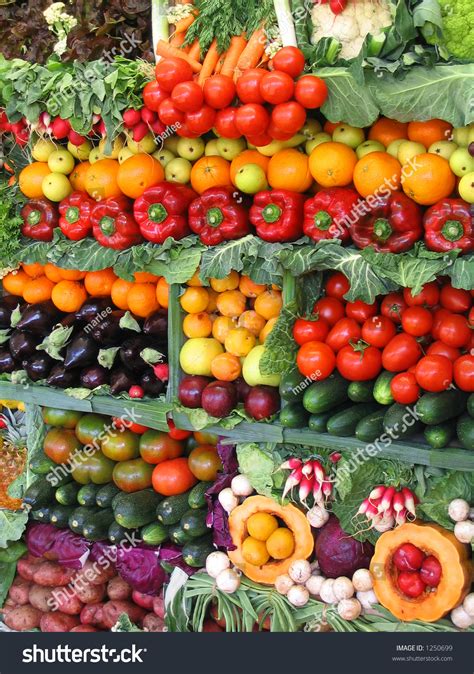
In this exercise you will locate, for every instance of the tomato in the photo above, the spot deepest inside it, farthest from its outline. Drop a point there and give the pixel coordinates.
(205, 463)
(99, 468)
(378, 331)
(260, 141)
(455, 299)
(225, 123)
(337, 285)
(434, 373)
(156, 446)
(201, 121)
(393, 306)
(92, 428)
(169, 113)
(439, 348)
(428, 296)
(252, 119)
(205, 438)
(171, 71)
(289, 60)
(183, 130)
(307, 330)
(278, 134)
(346, 330)
(177, 433)
(120, 422)
(173, 477)
(438, 317)
(60, 444)
(248, 85)
(410, 584)
(219, 91)
(187, 96)
(276, 87)
(404, 388)
(470, 317)
(289, 117)
(454, 330)
(134, 475)
(121, 446)
(417, 321)
(464, 373)
(361, 311)
(401, 353)
(359, 363)
(329, 308)
(311, 91)
(316, 360)
(153, 94)
(62, 418)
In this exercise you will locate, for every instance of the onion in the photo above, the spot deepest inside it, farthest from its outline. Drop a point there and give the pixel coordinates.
(343, 588)
(362, 580)
(458, 510)
(241, 486)
(283, 583)
(349, 609)
(327, 591)
(300, 571)
(217, 562)
(298, 595)
(461, 619)
(228, 500)
(313, 585)
(464, 531)
(228, 581)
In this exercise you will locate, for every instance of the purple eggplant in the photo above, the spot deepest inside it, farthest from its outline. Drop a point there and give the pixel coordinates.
(156, 325)
(94, 376)
(151, 384)
(131, 349)
(94, 309)
(7, 305)
(121, 379)
(38, 366)
(81, 352)
(22, 344)
(7, 362)
(108, 332)
(39, 318)
(63, 378)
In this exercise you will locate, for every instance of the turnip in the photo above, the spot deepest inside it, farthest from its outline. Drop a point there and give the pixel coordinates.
(458, 510)
(468, 605)
(317, 516)
(362, 580)
(314, 584)
(327, 591)
(300, 571)
(349, 609)
(343, 588)
(461, 619)
(464, 531)
(367, 599)
(283, 583)
(298, 595)
(228, 581)
(228, 500)
(241, 486)
(217, 562)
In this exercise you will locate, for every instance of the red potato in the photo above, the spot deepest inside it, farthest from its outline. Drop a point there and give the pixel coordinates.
(85, 628)
(50, 574)
(143, 600)
(114, 609)
(41, 598)
(67, 601)
(26, 566)
(87, 593)
(96, 573)
(23, 618)
(159, 606)
(58, 622)
(151, 623)
(19, 591)
(93, 614)
(118, 589)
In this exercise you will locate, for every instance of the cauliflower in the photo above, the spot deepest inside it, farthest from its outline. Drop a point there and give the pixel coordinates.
(60, 23)
(351, 26)
(458, 27)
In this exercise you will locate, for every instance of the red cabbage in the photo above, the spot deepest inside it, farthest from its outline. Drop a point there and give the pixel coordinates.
(217, 517)
(141, 569)
(40, 540)
(228, 456)
(101, 550)
(173, 555)
(70, 549)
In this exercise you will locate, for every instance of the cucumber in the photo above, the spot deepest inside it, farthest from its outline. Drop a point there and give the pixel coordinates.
(439, 436)
(106, 494)
(96, 528)
(400, 423)
(434, 408)
(294, 415)
(40, 493)
(41, 514)
(465, 431)
(116, 533)
(136, 509)
(193, 523)
(361, 391)
(67, 494)
(79, 516)
(470, 405)
(87, 494)
(382, 392)
(318, 422)
(60, 514)
(344, 423)
(195, 552)
(370, 427)
(325, 395)
(292, 386)
(154, 533)
(177, 535)
(172, 508)
(196, 497)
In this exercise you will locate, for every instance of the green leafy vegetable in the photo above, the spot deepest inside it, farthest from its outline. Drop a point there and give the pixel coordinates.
(280, 347)
(12, 526)
(257, 463)
(441, 490)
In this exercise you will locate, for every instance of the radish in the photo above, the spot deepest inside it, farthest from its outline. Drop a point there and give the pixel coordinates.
(410, 501)
(283, 584)
(131, 118)
(388, 496)
(306, 486)
(76, 138)
(458, 510)
(217, 562)
(460, 618)
(327, 488)
(298, 595)
(22, 137)
(386, 523)
(293, 480)
(148, 116)
(60, 128)
(139, 132)
(343, 588)
(241, 486)
(228, 581)
(377, 492)
(17, 127)
(314, 584)
(291, 464)
(349, 609)
(398, 503)
(300, 571)
(362, 580)
(158, 127)
(335, 457)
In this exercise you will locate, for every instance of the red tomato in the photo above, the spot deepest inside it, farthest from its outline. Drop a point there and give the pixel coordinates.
(455, 299)
(311, 91)
(361, 311)
(401, 353)
(434, 373)
(184, 131)
(169, 113)
(378, 331)
(289, 117)
(276, 87)
(219, 91)
(289, 60)
(173, 477)
(345, 331)
(204, 462)
(359, 364)
(329, 308)
(248, 85)
(316, 360)
(454, 330)
(120, 422)
(252, 119)
(464, 372)
(153, 94)
(410, 584)
(308, 330)
(225, 123)
(404, 388)
(260, 141)
(187, 96)
(337, 285)
(438, 317)
(278, 134)
(170, 71)
(177, 433)
(428, 296)
(439, 348)
(201, 121)
(156, 447)
(417, 321)
(393, 306)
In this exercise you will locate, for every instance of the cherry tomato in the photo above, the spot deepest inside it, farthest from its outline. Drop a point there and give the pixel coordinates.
(361, 311)
(225, 123)
(173, 477)
(156, 447)
(359, 364)
(401, 353)
(201, 121)
(153, 94)
(177, 433)
(289, 60)
(456, 300)
(316, 360)
(464, 373)
(276, 87)
(252, 119)
(278, 134)
(410, 584)
(261, 140)
(169, 113)
(417, 321)
(428, 296)
(219, 91)
(205, 463)
(434, 373)
(404, 388)
(308, 330)
(183, 130)
(378, 331)
(187, 96)
(431, 571)
(408, 557)
(346, 330)
(438, 317)
(311, 91)
(337, 285)
(248, 85)
(289, 117)
(392, 306)
(171, 71)
(329, 308)
(454, 330)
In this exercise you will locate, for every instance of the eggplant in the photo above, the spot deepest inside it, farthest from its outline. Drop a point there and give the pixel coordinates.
(38, 366)
(7, 305)
(121, 379)
(81, 352)
(93, 308)
(94, 376)
(39, 318)
(108, 331)
(156, 325)
(7, 362)
(63, 378)
(22, 344)
(131, 349)
(151, 384)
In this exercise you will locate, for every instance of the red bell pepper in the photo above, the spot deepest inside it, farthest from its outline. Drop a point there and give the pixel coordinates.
(449, 224)
(218, 216)
(277, 215)
(392, 224)
(39, 219)
(75, 221)
(162, 211)
(329, 213)
(113, 225)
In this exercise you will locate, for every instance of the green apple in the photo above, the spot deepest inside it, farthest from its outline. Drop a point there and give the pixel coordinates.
(147, 145)
(230, 148)
(56, 186)
(443, 148)
(124, 154)
(171, 144)
(251, 369)
(117, 145)
(80, 152)
(460, 136)
(369, 146)
(271, 149)
(311, 129)
(178, 170)
(95, 155)
(317, 140)
(466, 187)
(43, 149)
(251, 179)
(394, 146)
(349, 135)
(190, 148)
(409, 149)
(164, 156)
(61, 161)
(294, 141)
(211, 148)
(461, 162)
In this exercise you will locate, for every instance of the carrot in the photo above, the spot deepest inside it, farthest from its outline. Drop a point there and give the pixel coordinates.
(209, 63)
(253, 51)
(177, 39)
(195, 51)
(220, 63)
(237, 46)
(165, 50)
(182, 25)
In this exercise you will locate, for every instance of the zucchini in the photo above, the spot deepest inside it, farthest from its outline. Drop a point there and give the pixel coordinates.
(106, 494)
(344, 423)
(60, 514)
(117, 533)
(96, 528)
(470, 405)
(371, 427)
(172, 508)
(434, 408)
(87, 494)
(154, 533)
(79, 516)
(465, 431)
(196, 551)
(439, 436)
(193, 523)
(382, 393)
(197, 495)
(136, 509)
(177, 535)
(361, 391)
(399, 422)
(40, 464)
(292, 386)
(40, 493)
(294, 415)
(67, 494)
(41, 514)
(325, 395)
(318, 422)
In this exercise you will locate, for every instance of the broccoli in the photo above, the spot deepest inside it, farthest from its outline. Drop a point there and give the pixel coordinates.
(458, 27)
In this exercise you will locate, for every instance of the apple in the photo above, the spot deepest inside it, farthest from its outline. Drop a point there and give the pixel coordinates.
(171, 144)
(61, 161)
(461, 162)
(271, 149)
(262, 402)
(95, 155)
(466, 187)
(251, 369)
(211, 148)
(190, 390)
(178, 170)
(310, 129)
(56, 187)
(124, 154)
(251, 178)
(147, 145)
(164, 156)
(443, 148)
(230, 148)
(190, 148)
(116, 147)
(43, 149)
(369, 146)
(80, 152)
(394, 146)
(460, 136)
(409, 149)
(349, 135)
(294, 141)
(317, 140)
(219, 398)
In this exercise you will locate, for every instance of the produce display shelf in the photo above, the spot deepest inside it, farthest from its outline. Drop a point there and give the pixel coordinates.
(242, 432)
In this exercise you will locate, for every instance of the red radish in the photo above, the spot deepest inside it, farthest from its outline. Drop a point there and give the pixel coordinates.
(148, 116)
(136, 392)
(430, 572)
(76, 138)
(293, 480)
(327, 488)
(158, 127)
(387, 498)
(410, 584)
(317, 491)
(363, 507)
(291, 464)
(60, 128)
(16, 127)
(96, 119)
(377, 492)
(319, 473)
(401, 516)
(162, 371)
(139, 131)
(22, 137)
(398, 502)
(306, 485)
(337, 6)
(410, 501)
(408, 557)
(131, 118)
(307, 469)
(101, 128)
(335, 457)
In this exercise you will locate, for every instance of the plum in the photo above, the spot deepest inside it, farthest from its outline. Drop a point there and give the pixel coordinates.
(219, 398)
(338, 553)
(190, 390)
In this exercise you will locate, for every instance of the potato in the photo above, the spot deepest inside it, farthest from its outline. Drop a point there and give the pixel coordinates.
(95, 573)
(85, 628)
(58, 622)
(114, 609)
(19, 591)
(159, 606)
(143, 600)
(26, 566)
(89, 594)
(50, 574)
(23, 618)
(93, 614)
(118, 589)
(41, 598)
(67, 601)
(151, 623)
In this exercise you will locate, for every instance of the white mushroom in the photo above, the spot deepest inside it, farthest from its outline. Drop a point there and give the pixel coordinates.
(468, 605)
(217, 562)
(241, 486)
(343, 588)
(327, 591)
(228, 500)
(313, 585)
(317, 516)
(362, 580)
(228, 581)
(298, 595)
(367, 599)
(283, 583)
(458, 510)
(464, 531)
(349, 609)
(461, 619)
(300, 571)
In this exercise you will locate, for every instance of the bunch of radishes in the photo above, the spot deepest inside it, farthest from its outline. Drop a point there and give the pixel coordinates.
(461, 512)
(385, 507)
(18, 129)
(238, 491)
(140, 122)
(60, 129)
(310, 477)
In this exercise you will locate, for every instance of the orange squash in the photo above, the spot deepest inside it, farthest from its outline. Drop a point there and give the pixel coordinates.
(293, 518)
(432, 539)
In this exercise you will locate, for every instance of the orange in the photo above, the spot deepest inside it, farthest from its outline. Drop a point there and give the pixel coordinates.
(332, 164)
(137, 173)
(221, 327)
(248, 157)
(145, 277)
(71, 274)
(330, 126)
(262, 525)
(52, 272)
(101, 179)
(281, 543)
(162, 292)
(68, 296)
(212, 304)
(78, 176)
(269, 304)
(34, 270)
(31, 179)
(428, 179)
(38, 290)
(210, 172)
(255, 552)
(119, 293)
(289, 170)
(387, 130)
(239, 342)
(231, 303)
(15, 282)
(375, 170)
(226, 367)
(267, 329)
(230, 282)
(99, 283)
(142, 300)
(194, 300)
(252, 322)
(197, 325)
(194, 280)
(429, 132)
(249, 288)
